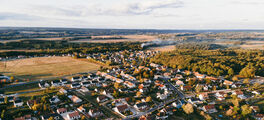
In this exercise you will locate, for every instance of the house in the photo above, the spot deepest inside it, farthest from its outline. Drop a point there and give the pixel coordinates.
(143, 90)
(75, 99)
(94, 112)
(239, 94)
(161, 96)
(129, 84)
(81, 109)
(73, 116)
(141, 106)
(203, 96)
(226, 82)
(75, 85)
(63, 91)
(86, 84)
(194, 101)
(18, 102)
(154, 65)
(61, 110)
(255, 109)
(205, 88)
(259, 116)
(186, 88)
(199, 76)
(209, 109)
(10, 98)
(85, 77)
(26, 117)
(255, 92)
(84, 89)
(55, 116)
(118, 80)
(220, 95)
(54, 99)
(43, 85)
(107, 91)
(177, 104)
(64, 81)
(56, 83)
(121, 109)
(179, 83)
(178, 76)
(30, 103)
(76, 78)
(101, 99)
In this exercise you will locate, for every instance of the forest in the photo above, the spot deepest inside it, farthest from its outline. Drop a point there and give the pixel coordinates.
(62, 47)
(246, 63)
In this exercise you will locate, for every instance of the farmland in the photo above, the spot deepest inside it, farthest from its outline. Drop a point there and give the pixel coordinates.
(44, 67)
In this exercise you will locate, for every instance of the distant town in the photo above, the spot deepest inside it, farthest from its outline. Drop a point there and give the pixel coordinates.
(205, 75)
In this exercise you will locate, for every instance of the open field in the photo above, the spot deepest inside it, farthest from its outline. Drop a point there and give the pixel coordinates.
(163, 48)
(44, 67)
(127, 38)
(251, 44)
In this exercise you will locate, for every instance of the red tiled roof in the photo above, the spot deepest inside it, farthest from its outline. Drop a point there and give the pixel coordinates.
(122, 108)
(62, 109)
(208, 107)
(74, 114)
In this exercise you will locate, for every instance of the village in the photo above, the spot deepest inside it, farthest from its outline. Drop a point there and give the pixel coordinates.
(136, 88)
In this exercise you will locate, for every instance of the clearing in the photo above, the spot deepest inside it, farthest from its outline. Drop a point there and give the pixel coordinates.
(45, 67)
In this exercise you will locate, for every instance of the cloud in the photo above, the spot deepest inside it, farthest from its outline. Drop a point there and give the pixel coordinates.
(103, 9)
(16, 16)
(140, 8)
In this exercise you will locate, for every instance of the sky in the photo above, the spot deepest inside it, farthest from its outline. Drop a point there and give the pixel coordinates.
(134, 14)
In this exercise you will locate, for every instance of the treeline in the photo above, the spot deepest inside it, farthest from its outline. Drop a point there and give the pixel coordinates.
(62, 47)
(199, 46)
(228, 63)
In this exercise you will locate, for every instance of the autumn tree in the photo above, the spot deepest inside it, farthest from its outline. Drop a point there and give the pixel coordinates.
(51, 118)
(246, 110)
(187, 108)
(116, 85)
(138, 94)
(3, 114)
(148, 99)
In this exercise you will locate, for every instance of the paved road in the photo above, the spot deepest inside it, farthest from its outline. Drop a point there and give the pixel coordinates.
(102, 108)
(163, 104)
(45, 79)
(176, 90)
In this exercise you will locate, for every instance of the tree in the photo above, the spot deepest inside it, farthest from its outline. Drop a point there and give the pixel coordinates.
(148, 99)
(36, 107)
(83, 118)
(6, 100)
(229, 112)
(206, 116)
(151, 74)
(187, 108)
(230, 72)
(248, 72)
(198, 88)
(116, 94)
(145, 74)
(246, 110)
(108, 63)
(235, 102)
(51, 118)
(235, 78)
(44, 107)
(256, 85)
(116, 85)
(3, 114)
(138, 94)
